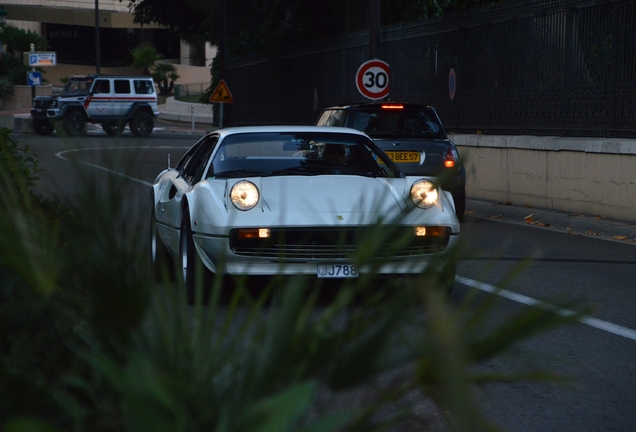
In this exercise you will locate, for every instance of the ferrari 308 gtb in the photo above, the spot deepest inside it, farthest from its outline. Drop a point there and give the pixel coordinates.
(320, 201)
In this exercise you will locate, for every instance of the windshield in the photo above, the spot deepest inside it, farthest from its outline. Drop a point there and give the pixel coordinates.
(380, 122)
(276, 154)
(77, 87)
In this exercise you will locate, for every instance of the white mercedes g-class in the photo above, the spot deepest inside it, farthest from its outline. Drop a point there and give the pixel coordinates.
(111, 101)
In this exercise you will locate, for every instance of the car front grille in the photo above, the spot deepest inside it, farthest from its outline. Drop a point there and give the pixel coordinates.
(341, 243)
(42, 103)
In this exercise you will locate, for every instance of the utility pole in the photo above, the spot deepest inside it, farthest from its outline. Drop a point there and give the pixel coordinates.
(222, 51)
(374, 28)
(223, 39)
(97, 55)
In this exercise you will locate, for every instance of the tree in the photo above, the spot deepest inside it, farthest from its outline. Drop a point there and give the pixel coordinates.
(145, 56)
(165, 74)
(18, 41)
(267, 26)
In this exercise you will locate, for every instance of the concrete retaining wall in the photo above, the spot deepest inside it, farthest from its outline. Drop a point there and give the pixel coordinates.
(178, 111)
(21, 98)
(579, 175)
(192, 74)
(55, 73)
(187, 74)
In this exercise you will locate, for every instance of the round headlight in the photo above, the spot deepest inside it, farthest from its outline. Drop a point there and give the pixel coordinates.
(424, 194)
(244, 195)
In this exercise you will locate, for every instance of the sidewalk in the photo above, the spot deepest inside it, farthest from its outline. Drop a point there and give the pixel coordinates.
(573, 223)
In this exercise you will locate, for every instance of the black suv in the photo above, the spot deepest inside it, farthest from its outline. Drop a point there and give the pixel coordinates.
(413, 137)
(111, 101)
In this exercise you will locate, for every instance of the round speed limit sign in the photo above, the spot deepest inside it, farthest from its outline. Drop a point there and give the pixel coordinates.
(372, 79)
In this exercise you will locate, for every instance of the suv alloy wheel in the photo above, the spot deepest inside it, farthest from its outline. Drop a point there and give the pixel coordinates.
(142, 124)
(74, 123)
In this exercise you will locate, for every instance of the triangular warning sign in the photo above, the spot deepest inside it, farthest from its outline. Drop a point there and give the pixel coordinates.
(221, 93)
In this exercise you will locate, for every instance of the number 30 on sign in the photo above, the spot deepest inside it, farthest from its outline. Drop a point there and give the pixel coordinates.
(372, 79)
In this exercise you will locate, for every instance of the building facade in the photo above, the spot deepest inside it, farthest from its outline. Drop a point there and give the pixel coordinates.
(69, 28)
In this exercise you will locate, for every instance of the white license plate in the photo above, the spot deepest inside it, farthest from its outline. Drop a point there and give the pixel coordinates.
(337, 271)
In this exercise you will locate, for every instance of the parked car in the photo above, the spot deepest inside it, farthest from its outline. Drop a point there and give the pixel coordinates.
(412, 135)
(295, 200)
(112, 101)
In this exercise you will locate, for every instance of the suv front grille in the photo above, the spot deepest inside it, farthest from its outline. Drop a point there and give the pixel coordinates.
(42, 103)
(340, 243)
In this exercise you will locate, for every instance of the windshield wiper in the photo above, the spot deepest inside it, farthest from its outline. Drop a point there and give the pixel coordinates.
(243, 173)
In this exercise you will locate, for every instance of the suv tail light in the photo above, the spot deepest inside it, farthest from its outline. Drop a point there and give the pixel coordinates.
(392, 106)
(450, 160)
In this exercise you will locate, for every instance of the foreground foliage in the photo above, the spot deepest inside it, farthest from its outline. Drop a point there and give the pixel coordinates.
(90, 343)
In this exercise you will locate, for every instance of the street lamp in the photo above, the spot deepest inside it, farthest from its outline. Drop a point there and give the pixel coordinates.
(3, 17)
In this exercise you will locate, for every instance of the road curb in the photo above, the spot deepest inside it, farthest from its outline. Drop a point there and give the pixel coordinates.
(573, 223)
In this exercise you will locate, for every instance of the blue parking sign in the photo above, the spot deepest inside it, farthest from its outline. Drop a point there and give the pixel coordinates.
(34, 78)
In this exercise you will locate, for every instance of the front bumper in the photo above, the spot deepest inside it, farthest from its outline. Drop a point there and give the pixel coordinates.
(217, 256)
(53, 113)
(38, 113)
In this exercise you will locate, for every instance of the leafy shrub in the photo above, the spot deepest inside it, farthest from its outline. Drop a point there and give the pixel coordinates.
(165, 74)
(144, 57)
(6, 88)
(19, 165)
(18, 41)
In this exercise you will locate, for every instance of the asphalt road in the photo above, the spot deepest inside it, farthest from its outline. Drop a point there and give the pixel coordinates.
(574, 258)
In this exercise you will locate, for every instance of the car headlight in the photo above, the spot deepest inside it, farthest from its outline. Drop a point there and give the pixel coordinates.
(244, 195)
(424, 194)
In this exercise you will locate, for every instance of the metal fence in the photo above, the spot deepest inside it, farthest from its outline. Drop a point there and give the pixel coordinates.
(190, 92)
(544, 67)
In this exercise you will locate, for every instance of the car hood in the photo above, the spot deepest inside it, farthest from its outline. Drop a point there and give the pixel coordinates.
(331, 194)
(314, 201)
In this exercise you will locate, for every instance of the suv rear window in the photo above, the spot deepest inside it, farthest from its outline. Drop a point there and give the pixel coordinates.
(406, 123)
(143, 87)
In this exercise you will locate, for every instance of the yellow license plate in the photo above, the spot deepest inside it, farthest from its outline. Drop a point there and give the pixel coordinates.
(404, 156)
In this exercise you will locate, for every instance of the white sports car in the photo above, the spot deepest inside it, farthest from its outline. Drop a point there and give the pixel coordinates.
(307, 200)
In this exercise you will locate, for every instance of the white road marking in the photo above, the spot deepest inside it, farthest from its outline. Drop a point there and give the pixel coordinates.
(529, 301)
(145, 183)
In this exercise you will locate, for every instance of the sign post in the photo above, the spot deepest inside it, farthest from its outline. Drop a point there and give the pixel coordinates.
(373, 79)
(222, 95)
(40, 58)
(36, 59)
(34, 79)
